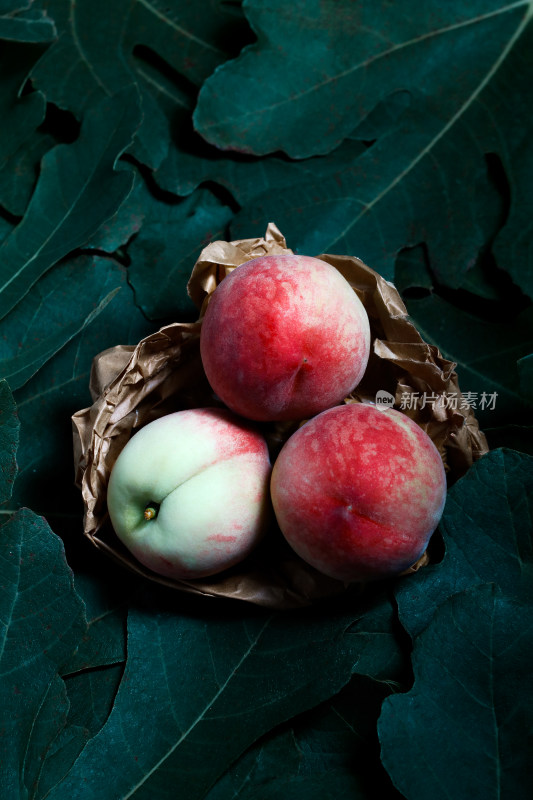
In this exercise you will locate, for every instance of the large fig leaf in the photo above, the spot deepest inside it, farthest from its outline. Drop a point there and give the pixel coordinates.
(314, 74)
(42, 620)
(77, 191)
(106, 602)
(375, 638)
(426, 179)
(91, 695)
(53, 744)
(163, 241)
(24, 113)
(127, 221)
(196, 678)
(464, 729)
(21, 170)
(166, 248)
(193, 161)
(166, 49)
(329, 753)
(60, 305)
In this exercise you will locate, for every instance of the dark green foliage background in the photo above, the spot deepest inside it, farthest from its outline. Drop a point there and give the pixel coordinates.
(134, 132)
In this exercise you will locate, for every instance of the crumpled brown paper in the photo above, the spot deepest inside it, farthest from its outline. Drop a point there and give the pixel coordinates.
(133, 385)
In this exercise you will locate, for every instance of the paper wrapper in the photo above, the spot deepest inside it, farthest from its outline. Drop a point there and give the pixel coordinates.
(133, 385)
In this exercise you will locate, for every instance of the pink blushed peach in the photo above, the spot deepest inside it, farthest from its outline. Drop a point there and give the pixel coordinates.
(189, 493)
(284, 337)
(358, 492)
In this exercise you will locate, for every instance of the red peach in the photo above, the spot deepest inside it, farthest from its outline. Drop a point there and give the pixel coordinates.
(284, 337)
(358, 491)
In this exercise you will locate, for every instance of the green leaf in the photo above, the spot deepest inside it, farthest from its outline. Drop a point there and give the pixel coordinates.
(20, 23)
(9, 439)
(60, 756)
(5, 229)
(62, 753)
(77, 191)
(127, 220)
(376, 638)
(512, 246)
(428, 180)
(167, 50)
(313, 75)
(104, 642)
(196, 679)
(166, 248)
(190, 164)
(373, 205)
(328, 753)
(52, 746)
(19, 175)
(255, 771)
(412, 272)
(60, 305)
(185, 168)
(42, 620)
(488, 537)
(13, 6)
(25, 113)
(413, 276)
(464, 730)
(192, 161)
(61, 387)
(485, 352)
(91, 695)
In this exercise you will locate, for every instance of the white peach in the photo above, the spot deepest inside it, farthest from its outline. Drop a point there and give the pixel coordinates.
(189, 493)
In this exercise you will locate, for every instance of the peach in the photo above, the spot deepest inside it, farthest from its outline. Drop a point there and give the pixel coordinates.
(189, 493)
(284, 337)
(358, 491)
